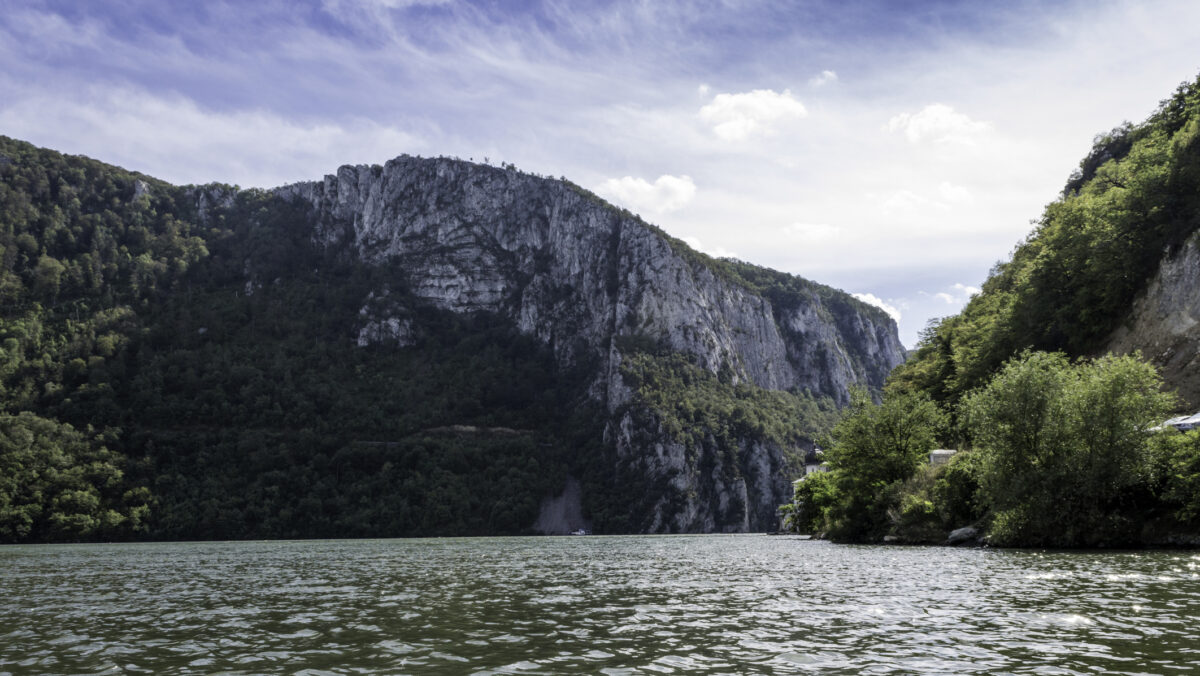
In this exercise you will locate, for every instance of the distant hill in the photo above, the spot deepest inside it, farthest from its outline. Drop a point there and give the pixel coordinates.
(429, 347)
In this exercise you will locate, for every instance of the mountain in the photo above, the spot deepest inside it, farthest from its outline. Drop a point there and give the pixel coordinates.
(1109, 267)
(426, 347)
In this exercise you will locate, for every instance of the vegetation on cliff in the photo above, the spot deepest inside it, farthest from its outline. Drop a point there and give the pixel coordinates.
(712, 418)
(1071, 282)
(59, 483)
(1055, 452)
(692, 404)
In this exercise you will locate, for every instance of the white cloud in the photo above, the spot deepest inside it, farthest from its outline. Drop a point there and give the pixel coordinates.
(958, 294)
(736, 117)
(826, 77)
(872, 299)
(55, 34)
(715, 252)
(955, 194)
(939, 124)
(813, 232)
(667, 193)
(702, 90)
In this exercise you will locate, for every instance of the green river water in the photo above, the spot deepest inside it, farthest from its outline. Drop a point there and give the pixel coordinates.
(614, 605)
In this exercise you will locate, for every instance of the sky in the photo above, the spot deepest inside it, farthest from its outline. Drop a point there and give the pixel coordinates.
(894, 149)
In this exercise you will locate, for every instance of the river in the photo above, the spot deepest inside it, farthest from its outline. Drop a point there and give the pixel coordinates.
(613, 605)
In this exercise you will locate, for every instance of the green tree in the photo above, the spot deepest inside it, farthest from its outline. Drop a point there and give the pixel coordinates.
(876, 448)
(56, 483)
(1065, 448)
(47, 277)
(814, 496)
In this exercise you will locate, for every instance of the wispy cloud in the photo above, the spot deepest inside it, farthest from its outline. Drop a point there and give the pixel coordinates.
(825, 77)
(907, 202)
(872, 299)
(812, 232)
(956, 294)
(667, 193)
(955, 194)
(174, 138)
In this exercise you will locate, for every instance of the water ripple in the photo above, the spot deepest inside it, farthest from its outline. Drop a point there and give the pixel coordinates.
(611, 605)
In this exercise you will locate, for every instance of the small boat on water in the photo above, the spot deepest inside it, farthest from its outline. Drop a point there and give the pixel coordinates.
(581, 531)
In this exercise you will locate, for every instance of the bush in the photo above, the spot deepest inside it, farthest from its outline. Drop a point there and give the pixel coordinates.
(808, 512)
(1178, 456)
(914, 516)
(1065, 448)
(956, 491)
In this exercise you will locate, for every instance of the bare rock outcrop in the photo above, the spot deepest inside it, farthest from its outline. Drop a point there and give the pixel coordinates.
(1164, 323)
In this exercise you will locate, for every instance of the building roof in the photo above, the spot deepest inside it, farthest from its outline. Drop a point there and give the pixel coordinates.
(1182, 420)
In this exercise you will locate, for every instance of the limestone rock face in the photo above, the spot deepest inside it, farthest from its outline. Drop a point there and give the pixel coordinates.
(579, 275)
(1164, 323)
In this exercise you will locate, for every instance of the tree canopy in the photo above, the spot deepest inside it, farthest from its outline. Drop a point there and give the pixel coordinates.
(1063, 454)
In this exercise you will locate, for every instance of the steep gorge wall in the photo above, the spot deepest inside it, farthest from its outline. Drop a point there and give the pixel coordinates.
(582, 275)
(1164, 323)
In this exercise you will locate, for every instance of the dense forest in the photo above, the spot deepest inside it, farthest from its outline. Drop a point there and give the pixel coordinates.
(150, 390)
(183, 362)
(1058, 446)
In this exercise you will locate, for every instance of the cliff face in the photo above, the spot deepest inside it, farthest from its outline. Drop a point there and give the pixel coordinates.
(430, 347)
(1164, 323)
(582, 277)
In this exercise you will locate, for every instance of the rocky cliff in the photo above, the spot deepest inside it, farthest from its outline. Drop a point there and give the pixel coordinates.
(1164, 323)
(595, 284)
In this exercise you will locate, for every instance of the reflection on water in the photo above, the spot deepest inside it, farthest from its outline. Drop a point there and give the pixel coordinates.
(614, 605)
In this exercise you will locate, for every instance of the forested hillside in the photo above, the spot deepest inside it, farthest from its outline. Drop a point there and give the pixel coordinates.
(190, 404)
(1134, 199)
(1059, 443)
(207, 362)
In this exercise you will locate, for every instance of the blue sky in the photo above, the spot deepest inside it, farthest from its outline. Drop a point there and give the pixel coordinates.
(893, 149)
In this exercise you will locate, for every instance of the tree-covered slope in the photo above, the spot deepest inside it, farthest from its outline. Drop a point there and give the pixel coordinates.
(85, 248)
(209, 362)
(1059, 443)
(1073, 281)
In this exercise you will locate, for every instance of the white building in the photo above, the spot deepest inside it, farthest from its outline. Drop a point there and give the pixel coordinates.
(814, 462)
(940, 456)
